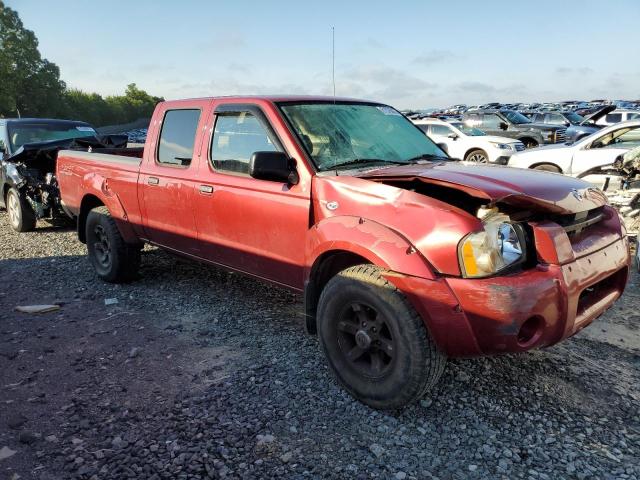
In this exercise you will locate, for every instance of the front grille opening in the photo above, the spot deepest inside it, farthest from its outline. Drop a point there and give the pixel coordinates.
(577, 223)
(598, 291)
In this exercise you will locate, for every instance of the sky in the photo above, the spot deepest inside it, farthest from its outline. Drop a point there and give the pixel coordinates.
(410, 54)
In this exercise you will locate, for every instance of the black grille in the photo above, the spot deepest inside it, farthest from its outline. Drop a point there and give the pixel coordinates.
(576, 223)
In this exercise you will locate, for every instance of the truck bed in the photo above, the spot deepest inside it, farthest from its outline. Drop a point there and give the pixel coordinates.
(110, 171)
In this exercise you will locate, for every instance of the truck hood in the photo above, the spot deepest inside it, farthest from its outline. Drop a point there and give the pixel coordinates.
(526, 189)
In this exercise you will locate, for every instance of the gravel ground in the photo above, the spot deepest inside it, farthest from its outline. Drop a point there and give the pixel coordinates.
(199, 373)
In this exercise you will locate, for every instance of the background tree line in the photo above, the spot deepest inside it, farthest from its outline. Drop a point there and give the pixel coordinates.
(30, 86)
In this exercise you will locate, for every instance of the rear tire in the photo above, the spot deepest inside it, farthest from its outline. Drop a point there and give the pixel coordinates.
(113, 260)
(477, 156)
(22, 218)
(547, 167)
(375, 343)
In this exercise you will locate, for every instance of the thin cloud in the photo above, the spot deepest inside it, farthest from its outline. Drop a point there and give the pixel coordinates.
(433, 57)
(574, 70)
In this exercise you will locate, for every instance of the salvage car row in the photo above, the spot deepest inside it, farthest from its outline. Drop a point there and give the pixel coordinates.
(404, 257)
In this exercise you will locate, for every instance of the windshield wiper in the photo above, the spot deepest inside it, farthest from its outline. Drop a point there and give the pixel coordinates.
(360, 161)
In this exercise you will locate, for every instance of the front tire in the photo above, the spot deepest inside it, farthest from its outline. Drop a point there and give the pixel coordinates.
(22, 218)
(477, 156)
(376, 344)
(113, 260)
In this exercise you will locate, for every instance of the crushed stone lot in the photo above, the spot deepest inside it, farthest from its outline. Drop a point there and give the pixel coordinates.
(193, 372)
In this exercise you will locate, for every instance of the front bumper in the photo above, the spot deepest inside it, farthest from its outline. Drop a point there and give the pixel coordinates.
(518, 312)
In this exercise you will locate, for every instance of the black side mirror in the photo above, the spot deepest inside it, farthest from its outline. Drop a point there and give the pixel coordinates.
(503, 126)
(274, 166)
(453, 136)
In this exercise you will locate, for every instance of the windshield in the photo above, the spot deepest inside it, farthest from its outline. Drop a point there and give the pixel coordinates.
(36, 132)
(574, 118)
(472, 132)
(340, 134)
(515, 117)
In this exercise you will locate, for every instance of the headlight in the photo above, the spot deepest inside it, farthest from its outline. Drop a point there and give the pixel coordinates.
(500, 245)
(501, 146)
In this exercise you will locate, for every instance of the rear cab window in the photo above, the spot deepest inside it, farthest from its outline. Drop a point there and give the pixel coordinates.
(177, 137)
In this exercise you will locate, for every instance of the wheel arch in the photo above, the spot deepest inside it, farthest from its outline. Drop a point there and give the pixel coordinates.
(337, 243)
(91, 201)
(473, 149)
(532, 138)
(551, 164)
(325, 267)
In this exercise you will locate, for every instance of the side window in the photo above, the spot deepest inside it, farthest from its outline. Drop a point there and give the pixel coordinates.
(236, 136)
(423, 126)
(537, 118)
(178, 136)
(441, 130)
(620, 138)
(491, 121)
(630, 139)
(613, 117)
(555, 119)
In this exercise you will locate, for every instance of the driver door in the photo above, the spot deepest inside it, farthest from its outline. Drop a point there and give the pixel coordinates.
(254, 226)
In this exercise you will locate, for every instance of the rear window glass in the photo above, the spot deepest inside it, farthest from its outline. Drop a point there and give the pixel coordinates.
(178, 136)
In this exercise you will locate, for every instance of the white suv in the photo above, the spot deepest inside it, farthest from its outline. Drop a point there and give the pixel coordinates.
(618, 116)
(467, 143)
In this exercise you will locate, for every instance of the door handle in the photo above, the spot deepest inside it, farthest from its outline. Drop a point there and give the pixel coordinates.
(153, 180)
(206, 189)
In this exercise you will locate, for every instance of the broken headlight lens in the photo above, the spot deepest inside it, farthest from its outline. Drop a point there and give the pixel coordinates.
(500, 245)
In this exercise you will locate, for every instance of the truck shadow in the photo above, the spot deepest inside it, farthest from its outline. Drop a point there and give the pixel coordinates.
(212, 306)
(277, 368)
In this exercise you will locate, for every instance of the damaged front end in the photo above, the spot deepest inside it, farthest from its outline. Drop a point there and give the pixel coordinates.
(31, 171)
(37, 186)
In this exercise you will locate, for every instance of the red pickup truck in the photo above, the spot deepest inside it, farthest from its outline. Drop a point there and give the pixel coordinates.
(405, 257)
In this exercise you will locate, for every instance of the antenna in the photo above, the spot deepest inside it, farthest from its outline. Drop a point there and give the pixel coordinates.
(333, 61)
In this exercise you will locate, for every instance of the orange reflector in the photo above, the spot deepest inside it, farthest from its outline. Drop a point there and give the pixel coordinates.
(470, 266)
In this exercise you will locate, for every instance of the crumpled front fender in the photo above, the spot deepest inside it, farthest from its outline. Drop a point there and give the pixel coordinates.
(378, 244)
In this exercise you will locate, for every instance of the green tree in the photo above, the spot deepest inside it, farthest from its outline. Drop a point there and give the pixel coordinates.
(30, 85)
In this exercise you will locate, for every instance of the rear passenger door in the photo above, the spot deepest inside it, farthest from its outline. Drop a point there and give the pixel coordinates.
(255, 226)
(168, 179)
